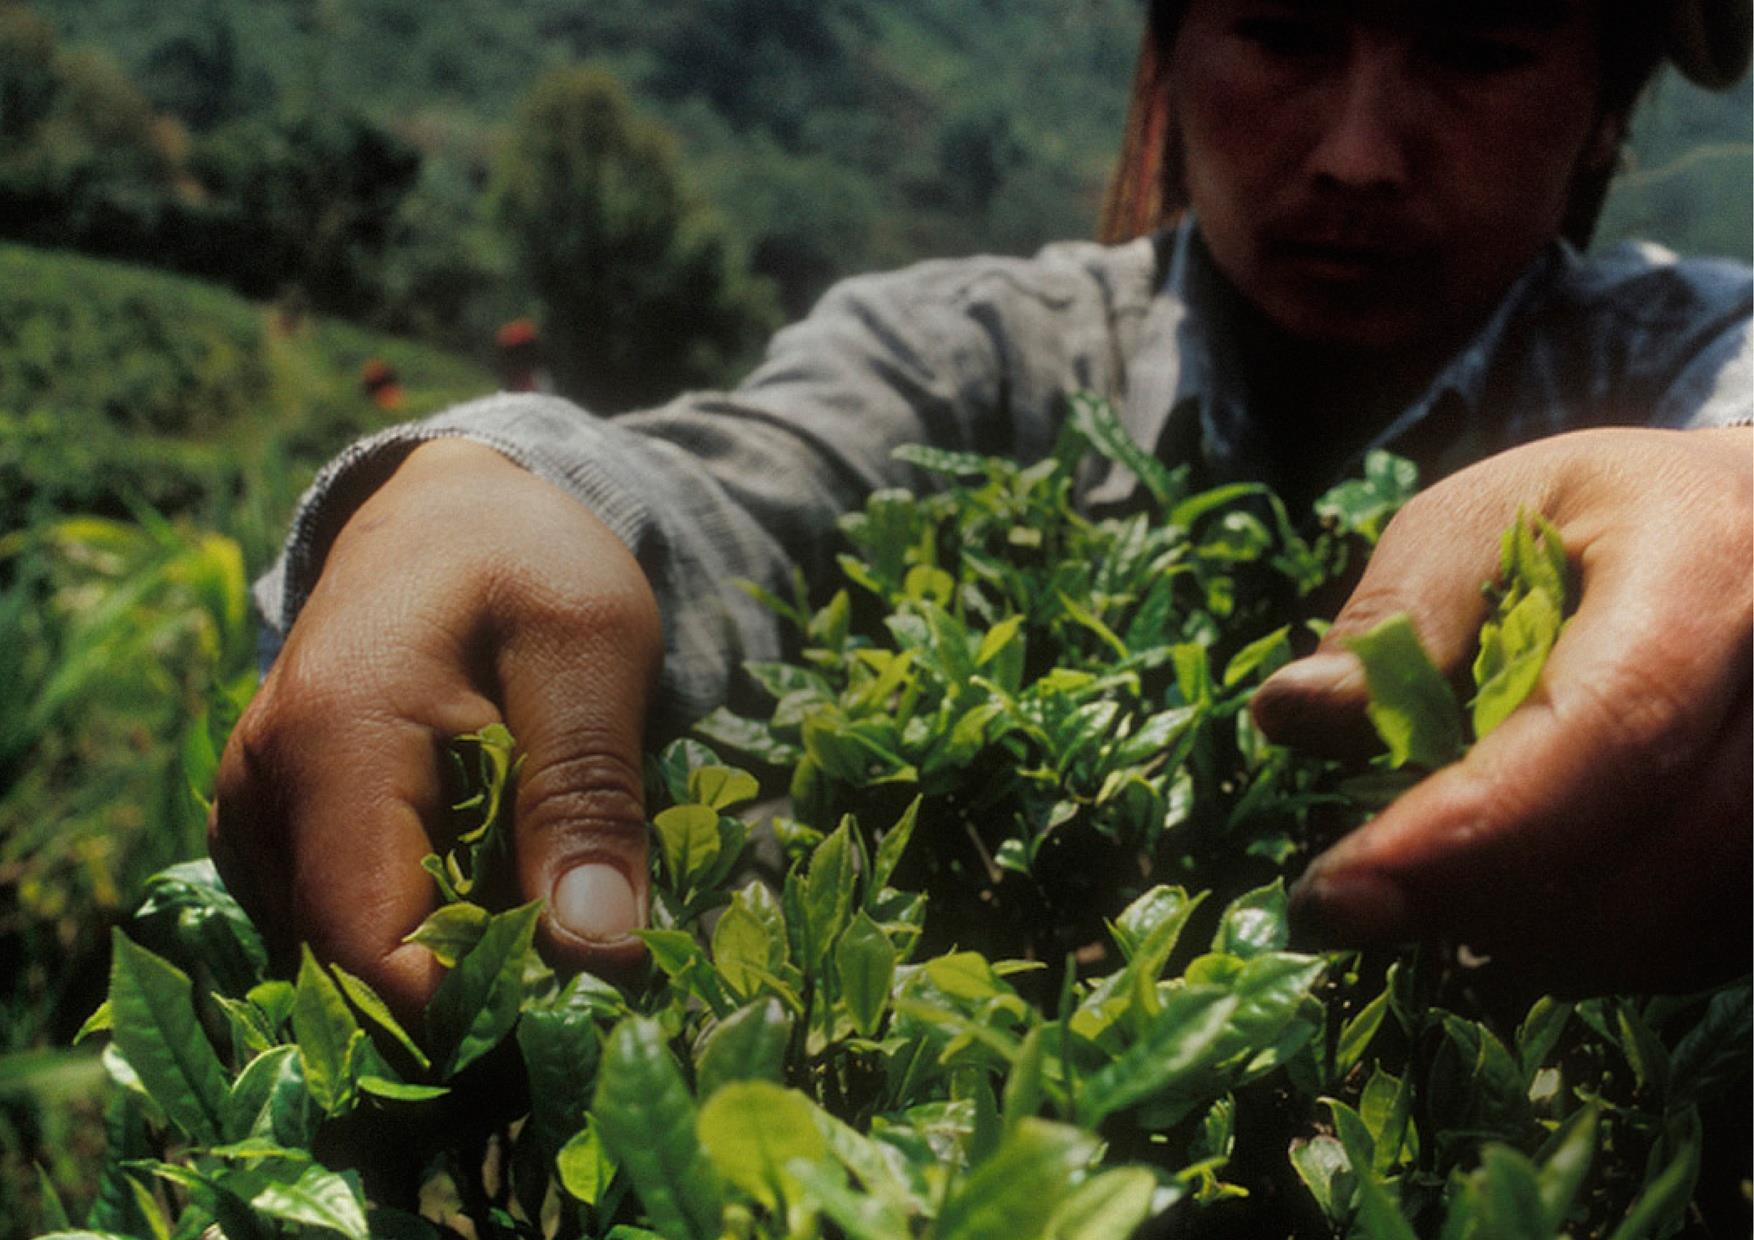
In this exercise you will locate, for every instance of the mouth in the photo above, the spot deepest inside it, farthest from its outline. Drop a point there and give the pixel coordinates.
(1342, 262)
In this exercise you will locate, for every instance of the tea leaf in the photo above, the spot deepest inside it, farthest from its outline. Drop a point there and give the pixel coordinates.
(324, 1027)
(314, 1196)
(858, 1215)
(560, 1046)
(752, 1129)
(1185, 1036)
(890, 849)
(1410, 702)
(748, 1045)
(1322, 1165)
(367, 1000)
(1540, 1033)
(209, 921)
(157, 1032)
(1662, 1203)
(828, 890)
(1115, 1203)
(1265, 655)
(1016, 1190)
(1254, 923)
(247, 1111)
(647, 1123)
(477, 1003)
(720, 787)
(865, 961)
(689, 836)
(1377, 1210)
(1507, 1196)
(1356, 1034)
(1513, 653)
(1565, 1164)
(1644, 1051)
(584, 1166)
(451, 931)
(1717, 1047)
(1097, 422)
(399, 1091)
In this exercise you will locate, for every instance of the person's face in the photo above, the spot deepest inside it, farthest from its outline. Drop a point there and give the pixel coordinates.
(1374, 175)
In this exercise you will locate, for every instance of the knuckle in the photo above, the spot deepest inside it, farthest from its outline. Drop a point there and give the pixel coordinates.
(244, 768)
(587, 791)
(1638, 712)
(600, 596)
(1370, 604)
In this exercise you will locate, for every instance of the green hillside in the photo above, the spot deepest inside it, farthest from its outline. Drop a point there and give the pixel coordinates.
(122, 386)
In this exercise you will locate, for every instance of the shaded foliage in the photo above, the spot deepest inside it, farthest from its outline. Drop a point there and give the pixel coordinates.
(639, 285)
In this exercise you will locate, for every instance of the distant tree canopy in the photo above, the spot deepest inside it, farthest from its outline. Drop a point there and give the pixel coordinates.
(267, 202)
(78, 141)
(349, 150)
(640, 292)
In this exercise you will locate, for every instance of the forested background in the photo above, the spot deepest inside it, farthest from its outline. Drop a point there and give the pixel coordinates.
(706, 167)
(218, 216)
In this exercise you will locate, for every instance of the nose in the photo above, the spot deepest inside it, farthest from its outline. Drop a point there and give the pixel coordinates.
(1365, 123)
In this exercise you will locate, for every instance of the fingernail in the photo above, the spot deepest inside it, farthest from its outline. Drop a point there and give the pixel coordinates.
(595, 901)
(1347, 910)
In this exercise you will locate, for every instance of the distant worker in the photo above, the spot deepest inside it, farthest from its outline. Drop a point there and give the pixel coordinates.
(380, 381)
(520, 358)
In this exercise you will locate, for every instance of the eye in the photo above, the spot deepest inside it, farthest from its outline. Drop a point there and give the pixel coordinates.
(1479, 55)
(1290, 36)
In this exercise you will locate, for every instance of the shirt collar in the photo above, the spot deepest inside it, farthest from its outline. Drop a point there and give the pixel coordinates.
(1184, 386)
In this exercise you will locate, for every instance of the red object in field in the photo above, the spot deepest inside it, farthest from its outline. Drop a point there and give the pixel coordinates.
(520, 357)
(380, 382)
(515, 334)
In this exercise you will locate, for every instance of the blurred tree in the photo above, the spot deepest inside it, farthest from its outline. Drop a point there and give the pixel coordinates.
(84, 160)
(306, 200)
(27, 71)
(760, 63)
(198, 74)
(640, 290)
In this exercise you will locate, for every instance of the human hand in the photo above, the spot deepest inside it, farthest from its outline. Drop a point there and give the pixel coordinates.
(1599, 838)
(466, 591)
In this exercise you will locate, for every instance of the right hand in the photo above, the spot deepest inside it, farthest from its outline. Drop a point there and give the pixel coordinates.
(466, 591)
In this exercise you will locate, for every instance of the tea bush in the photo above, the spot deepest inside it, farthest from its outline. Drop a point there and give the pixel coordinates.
(1011, 962)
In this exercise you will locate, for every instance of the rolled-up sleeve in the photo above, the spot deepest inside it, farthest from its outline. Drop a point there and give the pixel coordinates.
(1716, 387)
(978, 355)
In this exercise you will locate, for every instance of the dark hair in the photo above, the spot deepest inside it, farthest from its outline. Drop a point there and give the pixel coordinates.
(1147, 189)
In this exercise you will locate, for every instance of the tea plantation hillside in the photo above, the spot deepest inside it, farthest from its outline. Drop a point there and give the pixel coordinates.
(154, 433)
(121, 386)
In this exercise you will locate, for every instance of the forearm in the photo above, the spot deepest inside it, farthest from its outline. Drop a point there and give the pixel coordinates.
(748, 484)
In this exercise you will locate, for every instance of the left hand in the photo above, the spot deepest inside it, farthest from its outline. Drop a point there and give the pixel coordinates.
(1600, 838)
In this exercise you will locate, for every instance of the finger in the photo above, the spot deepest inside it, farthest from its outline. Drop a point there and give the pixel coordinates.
(576, 672)
(1430, 565)
(1671, 916)
(1642, 682)
(322, 813)
(1649, 923)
